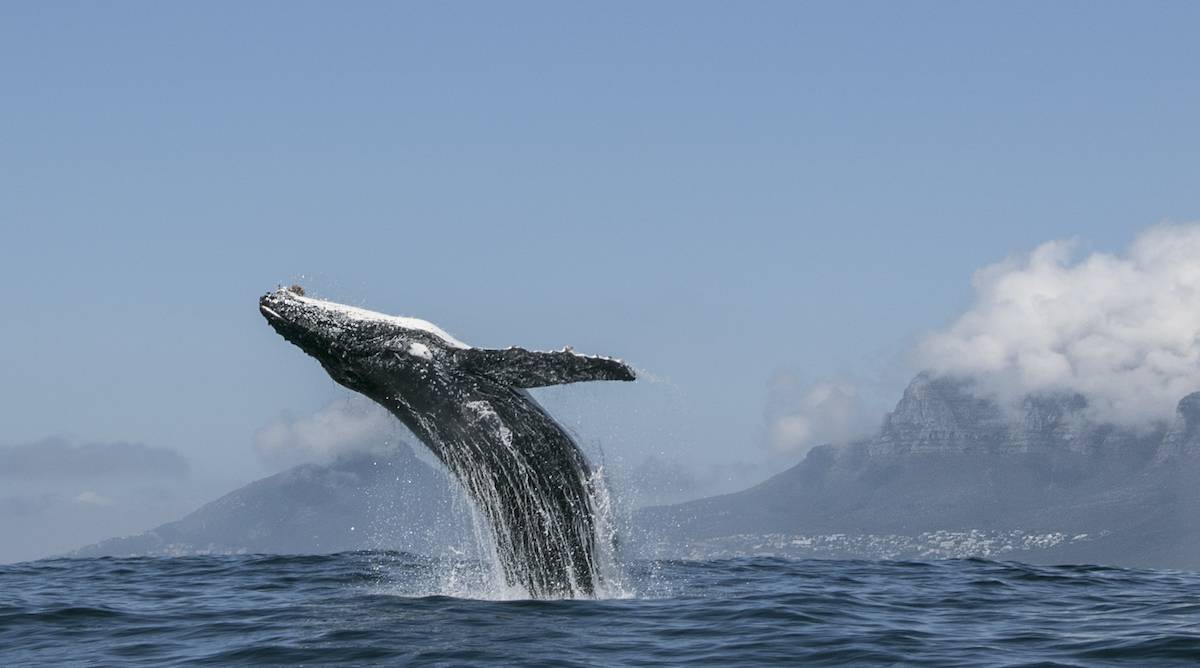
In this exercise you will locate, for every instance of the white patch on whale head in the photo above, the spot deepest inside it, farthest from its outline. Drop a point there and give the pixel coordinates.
(362, 314)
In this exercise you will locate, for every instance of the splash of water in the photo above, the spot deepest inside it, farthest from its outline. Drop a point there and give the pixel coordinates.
(472, 557)
(509, 556)
(473, 567)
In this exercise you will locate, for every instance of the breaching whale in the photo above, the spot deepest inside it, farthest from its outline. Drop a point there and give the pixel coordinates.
(469, 406)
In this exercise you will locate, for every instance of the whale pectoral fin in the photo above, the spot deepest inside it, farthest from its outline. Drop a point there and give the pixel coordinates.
(526, 368)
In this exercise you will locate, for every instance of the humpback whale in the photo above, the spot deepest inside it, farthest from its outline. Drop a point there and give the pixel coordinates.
(470, 407)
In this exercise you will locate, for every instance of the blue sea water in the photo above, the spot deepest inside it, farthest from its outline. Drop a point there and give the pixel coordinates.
(392, 608)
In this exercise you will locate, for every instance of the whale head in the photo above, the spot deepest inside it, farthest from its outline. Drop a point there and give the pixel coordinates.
(362, 350)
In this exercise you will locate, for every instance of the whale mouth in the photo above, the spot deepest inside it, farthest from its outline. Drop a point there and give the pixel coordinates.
(264, 307)
(268, 313)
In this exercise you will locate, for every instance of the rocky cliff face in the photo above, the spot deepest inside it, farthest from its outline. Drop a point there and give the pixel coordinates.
(947, 459)
(1182, 440)
(944, 416)
(938, 416)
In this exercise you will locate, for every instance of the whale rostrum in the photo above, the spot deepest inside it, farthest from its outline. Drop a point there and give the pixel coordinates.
(468, 405)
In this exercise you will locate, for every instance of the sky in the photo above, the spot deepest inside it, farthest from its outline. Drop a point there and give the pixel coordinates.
(743, 201)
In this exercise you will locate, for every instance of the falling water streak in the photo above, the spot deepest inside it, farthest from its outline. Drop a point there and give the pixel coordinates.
(612, 579)
(500, 555)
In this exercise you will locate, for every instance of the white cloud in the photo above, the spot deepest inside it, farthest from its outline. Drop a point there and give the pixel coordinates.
(342, 426)
(800, 416)
(91, 498)
(1120, 329)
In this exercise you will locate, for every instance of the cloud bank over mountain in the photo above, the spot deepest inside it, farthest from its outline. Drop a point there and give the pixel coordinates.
(57, 492)
(57, 458)
(802, 415)
(345, 425)
(1120, 329)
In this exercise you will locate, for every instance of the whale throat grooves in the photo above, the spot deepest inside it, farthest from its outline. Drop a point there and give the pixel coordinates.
(526, 477)
(539, 501)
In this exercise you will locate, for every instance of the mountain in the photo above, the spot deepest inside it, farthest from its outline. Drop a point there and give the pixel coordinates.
(358, 501)
(951, 473)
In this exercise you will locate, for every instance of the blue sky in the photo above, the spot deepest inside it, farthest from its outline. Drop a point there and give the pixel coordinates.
(713, 191)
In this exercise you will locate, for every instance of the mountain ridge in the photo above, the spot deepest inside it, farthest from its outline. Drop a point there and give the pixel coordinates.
(948, 459)
(361, 500)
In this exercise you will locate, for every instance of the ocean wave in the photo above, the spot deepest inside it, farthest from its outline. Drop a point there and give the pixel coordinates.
(389, 607)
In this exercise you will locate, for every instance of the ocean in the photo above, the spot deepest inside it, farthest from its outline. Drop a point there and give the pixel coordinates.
(391, 608)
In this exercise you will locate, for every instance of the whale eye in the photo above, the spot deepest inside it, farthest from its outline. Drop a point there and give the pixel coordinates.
(296, 289)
